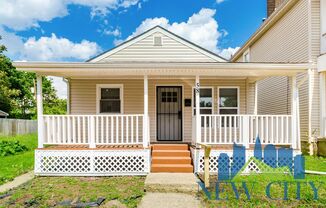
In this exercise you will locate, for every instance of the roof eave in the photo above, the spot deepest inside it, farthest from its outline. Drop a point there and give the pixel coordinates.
(70, 69)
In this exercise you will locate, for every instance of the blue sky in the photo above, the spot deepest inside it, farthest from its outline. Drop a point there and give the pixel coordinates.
(75, 30)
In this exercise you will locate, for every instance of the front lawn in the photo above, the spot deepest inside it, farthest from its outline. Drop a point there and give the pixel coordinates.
(52, 191)
(315, 163)
(15, 165)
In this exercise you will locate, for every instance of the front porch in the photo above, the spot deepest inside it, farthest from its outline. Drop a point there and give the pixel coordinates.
(191, 107)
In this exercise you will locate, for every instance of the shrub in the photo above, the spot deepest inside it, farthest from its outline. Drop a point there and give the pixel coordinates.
(11, 148)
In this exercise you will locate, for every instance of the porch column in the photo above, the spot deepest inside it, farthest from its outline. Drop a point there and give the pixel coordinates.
(198, 120)
(145, 123)
(322, 78)
(39, 105)
(295, 114)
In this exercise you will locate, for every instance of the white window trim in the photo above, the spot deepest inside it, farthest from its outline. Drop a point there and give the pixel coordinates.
(247, 52)
(98, 96)
(193, 99)
(218, 99)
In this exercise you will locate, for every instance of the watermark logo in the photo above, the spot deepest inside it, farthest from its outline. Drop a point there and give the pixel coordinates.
(268, 160)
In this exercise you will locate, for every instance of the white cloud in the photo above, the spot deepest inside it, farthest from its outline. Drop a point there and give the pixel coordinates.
(227, 53)
(54, 48)
(201, 28)
(60, 86)
(23, 14)
(48, 49)
(116, 32)
(219, 1)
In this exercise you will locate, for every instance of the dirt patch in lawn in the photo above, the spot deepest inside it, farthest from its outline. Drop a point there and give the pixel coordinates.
(51, 191)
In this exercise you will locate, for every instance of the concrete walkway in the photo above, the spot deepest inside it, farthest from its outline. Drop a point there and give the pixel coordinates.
(175, 190)
(166, 200)
(20, 180)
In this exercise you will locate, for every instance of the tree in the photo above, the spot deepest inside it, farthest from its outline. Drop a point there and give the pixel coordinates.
(16, 96)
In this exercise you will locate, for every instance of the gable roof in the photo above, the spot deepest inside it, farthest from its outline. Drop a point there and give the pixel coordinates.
(158, 29)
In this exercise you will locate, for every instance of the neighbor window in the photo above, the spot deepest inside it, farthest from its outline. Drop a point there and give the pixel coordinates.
(109, 99)
(228, 100)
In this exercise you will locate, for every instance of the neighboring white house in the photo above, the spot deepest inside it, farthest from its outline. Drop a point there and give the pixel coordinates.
(295, 32)
(148, 105)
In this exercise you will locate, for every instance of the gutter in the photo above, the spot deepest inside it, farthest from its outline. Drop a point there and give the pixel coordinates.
(276, 15)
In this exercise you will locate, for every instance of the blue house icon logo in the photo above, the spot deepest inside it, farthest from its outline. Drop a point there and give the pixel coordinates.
(267, 159)
(263, 160)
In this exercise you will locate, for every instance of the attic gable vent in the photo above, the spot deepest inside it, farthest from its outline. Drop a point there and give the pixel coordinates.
(157, 40)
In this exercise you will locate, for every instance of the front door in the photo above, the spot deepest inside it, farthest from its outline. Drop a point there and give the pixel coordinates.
(169, 113)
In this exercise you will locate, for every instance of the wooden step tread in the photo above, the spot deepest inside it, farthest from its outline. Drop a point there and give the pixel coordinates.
(171, 160)
(172, 165)
(170, 147)
(172, 168)
(170, 153)
(171, 150)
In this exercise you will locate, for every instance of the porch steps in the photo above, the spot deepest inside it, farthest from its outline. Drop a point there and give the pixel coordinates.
(172, 158)
(171, 153)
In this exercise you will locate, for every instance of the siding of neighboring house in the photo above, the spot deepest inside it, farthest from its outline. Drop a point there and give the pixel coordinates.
(170, 51)
(314, 77)
(286, 41)
(83, 97)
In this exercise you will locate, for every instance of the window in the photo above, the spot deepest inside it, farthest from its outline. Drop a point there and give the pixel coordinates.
(109, 99)
(205, 101)
(169, 97)
(228, 101)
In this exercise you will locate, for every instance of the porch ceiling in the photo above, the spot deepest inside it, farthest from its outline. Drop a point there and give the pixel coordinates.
(102, 70)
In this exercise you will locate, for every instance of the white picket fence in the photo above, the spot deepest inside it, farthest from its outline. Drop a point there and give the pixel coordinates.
(243, 129)
(104, 129)
(12, 127)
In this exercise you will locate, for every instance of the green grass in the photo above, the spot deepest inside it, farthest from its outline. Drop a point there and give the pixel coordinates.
(315, 163)
(259, 183)
(15, 165)
(257, 187)
(49, 191)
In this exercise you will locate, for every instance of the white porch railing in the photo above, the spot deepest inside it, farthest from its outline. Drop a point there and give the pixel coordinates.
(94, 129)
(243, 129)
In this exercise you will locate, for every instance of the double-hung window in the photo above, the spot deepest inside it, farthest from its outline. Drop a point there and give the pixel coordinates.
(109, 98)
(228, 101)
(206, 101)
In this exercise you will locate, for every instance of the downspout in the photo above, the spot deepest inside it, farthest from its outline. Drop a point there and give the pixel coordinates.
(67, 81)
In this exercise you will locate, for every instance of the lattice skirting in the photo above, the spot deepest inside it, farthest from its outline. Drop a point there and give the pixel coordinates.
(198, 158)
(92, 162)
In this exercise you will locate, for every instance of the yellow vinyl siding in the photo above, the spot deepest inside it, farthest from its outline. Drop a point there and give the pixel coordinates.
(170, 51)
(83, 97)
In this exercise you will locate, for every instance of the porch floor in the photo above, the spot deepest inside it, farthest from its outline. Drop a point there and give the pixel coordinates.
(230, 146)
(86, 147)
